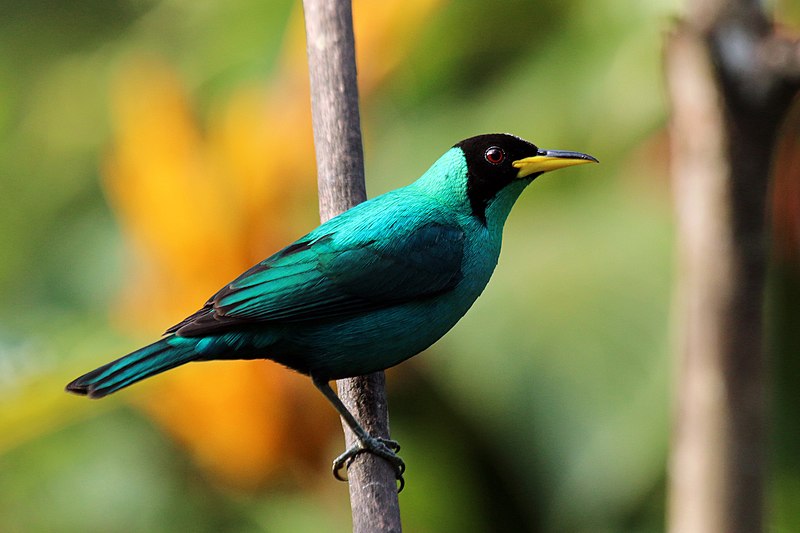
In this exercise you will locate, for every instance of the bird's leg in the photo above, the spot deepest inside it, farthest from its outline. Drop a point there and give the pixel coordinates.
(384, 448)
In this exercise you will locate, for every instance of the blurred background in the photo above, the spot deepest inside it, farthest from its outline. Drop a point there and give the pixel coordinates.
(152, 150)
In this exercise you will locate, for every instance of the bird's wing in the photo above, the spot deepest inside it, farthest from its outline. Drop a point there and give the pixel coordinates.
(327, 275)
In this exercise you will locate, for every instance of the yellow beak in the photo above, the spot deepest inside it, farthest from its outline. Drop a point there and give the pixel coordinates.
(547, 160)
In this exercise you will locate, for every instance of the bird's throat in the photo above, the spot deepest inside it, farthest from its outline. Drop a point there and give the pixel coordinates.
(499, 206)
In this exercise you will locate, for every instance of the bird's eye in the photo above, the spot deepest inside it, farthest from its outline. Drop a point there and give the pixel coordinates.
(494, 155)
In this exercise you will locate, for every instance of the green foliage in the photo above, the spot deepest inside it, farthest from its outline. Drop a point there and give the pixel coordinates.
(546, 409)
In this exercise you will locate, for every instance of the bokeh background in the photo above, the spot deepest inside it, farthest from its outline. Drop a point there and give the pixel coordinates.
(151, 150)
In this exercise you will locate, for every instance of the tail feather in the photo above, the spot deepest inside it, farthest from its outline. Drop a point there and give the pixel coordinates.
(143, 363)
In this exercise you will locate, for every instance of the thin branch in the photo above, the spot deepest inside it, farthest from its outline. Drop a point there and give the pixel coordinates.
(782, 57)
(729, 100)
(340, 168)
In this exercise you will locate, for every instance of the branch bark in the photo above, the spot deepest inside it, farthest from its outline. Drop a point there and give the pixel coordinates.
(729, 98)
(340, 177)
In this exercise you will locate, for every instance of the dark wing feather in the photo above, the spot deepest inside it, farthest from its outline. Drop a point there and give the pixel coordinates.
(323, 277)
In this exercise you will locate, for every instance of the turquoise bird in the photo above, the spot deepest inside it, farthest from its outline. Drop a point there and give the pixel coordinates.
(367, 289)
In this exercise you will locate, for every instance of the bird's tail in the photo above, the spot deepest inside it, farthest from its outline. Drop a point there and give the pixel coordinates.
(162, 355)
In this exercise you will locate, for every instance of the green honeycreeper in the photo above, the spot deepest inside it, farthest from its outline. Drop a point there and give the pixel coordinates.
(367, 289)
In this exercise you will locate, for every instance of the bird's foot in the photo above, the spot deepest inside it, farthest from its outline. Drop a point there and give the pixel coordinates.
(384, 448)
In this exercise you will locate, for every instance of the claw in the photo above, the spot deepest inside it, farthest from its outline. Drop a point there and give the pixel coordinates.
(384, 448)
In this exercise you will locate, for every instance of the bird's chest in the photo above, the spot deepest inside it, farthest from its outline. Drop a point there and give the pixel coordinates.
(481, 253)
(381, 339)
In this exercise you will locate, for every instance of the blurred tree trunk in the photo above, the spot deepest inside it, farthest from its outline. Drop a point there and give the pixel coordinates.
(340, 175)
(731, 81)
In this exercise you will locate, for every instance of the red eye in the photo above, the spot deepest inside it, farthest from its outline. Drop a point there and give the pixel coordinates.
(494, 155)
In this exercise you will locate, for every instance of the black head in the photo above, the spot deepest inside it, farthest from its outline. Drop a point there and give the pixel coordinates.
(497, 159)
(489, 166)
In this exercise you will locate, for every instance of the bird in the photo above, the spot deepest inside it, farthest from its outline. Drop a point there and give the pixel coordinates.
(365, 290)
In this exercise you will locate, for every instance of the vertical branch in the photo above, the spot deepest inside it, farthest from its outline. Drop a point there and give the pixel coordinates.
(702, 468)
(334, 105)
(340, 175)
(729, 93)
